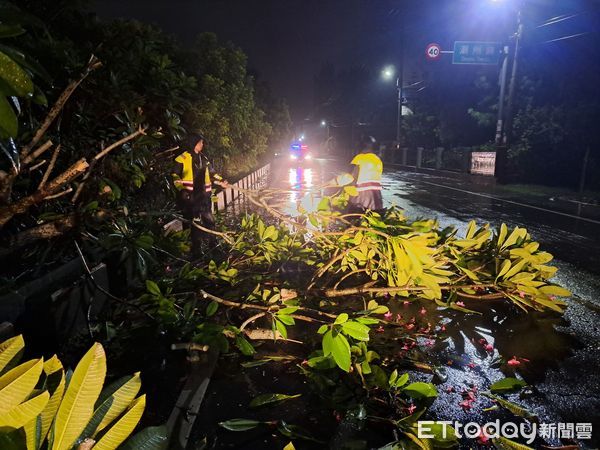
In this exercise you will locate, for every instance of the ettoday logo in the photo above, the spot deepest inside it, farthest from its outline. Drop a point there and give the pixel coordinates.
(508, 430)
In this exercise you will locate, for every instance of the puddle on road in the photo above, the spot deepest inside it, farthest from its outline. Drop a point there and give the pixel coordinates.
(452, 342)
(468, 352)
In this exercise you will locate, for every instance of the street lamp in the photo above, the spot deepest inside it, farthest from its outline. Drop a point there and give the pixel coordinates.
(323, 123)
(387, 74)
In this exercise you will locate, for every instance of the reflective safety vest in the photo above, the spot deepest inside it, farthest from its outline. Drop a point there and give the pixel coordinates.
(187, 173)
(370, 169)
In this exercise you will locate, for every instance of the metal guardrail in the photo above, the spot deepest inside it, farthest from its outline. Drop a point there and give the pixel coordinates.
(251, 181)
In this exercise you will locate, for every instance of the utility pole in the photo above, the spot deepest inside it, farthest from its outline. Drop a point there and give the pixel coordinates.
(500, 122)
(501, 156)
(505, 118)
(513, 82)
(400, 82)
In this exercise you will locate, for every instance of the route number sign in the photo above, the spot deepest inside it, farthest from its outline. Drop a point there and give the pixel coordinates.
(433, 51)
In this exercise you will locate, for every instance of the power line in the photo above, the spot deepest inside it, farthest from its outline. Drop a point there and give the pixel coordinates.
(558, 19)
(567, 37)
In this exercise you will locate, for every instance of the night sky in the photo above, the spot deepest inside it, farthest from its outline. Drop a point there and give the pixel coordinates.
(288, 41)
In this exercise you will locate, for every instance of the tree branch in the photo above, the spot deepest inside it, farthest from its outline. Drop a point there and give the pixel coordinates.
(92, 64)
(50, 167)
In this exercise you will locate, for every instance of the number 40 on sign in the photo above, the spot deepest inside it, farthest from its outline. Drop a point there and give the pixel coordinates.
(433, 51)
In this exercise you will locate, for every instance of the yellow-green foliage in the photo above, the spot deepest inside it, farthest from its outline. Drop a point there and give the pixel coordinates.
(38, 406)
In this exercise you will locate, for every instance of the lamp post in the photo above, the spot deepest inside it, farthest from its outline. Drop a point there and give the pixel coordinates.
(388, 73)
(505, 116)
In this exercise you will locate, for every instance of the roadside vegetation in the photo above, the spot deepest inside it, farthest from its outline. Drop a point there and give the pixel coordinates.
(89, 117)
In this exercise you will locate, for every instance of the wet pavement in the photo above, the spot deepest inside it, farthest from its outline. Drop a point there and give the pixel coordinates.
(560, 356)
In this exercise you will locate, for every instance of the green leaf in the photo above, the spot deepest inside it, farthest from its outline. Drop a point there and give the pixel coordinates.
(503, 268)
(512, 407)
(7, 31)
(555, 290)
(280, 326)
(340, 350)
(245, 347)
(444, 436)
(356, 330)
(211, 309)
(266, 399)
(287, 320)
(13, 75)
(400, 381)
(9, 125)
(341, 318)
(240, 424)
(322, 329)
(507, 385)
(502, 234)
(153, 288)
(151, 438)
(420, 390)
(294, 432)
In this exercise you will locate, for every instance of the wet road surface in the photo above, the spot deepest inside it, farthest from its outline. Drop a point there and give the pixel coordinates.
(560, 354)
(566, 351)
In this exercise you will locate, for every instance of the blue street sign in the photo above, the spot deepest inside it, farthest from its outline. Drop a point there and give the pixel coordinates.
(474, 52)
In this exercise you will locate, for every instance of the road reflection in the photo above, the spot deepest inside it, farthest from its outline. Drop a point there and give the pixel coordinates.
(300, 199)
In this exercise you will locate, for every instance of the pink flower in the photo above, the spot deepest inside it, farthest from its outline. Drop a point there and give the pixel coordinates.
(304, 362)
(469, 395)
(521, 294)
(410, 326)
(388, 315)
(461, 304)
(443, 328)
(406, 302)
(466, 404)
(423, 311)
(429, 343)
(514, 361)
(405, 347)
(489, 348)
(482, 438)
(398, 317)
(411, 409)
(380, 329)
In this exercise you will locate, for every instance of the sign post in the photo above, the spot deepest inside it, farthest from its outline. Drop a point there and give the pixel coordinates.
(433, 51)
(476, 52)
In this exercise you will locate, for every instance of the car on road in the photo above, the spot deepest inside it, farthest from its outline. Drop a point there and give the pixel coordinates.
(299, 152)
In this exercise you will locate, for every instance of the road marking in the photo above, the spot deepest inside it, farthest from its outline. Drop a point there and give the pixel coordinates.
(525, 205)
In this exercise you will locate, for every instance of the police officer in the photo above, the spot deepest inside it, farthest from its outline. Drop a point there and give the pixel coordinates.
(195, 189)
(367, 176)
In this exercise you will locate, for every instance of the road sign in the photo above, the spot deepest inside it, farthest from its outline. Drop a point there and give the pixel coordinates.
(483, 163)
(474, 52)
(433, 51)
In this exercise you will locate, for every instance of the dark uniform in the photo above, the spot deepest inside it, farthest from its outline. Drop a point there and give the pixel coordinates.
(195, 195)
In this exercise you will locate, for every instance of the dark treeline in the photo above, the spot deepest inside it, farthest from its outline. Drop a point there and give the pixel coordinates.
(146, 81)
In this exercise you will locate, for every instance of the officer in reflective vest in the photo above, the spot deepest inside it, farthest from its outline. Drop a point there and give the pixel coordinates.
(367, 174)
(195, 189)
